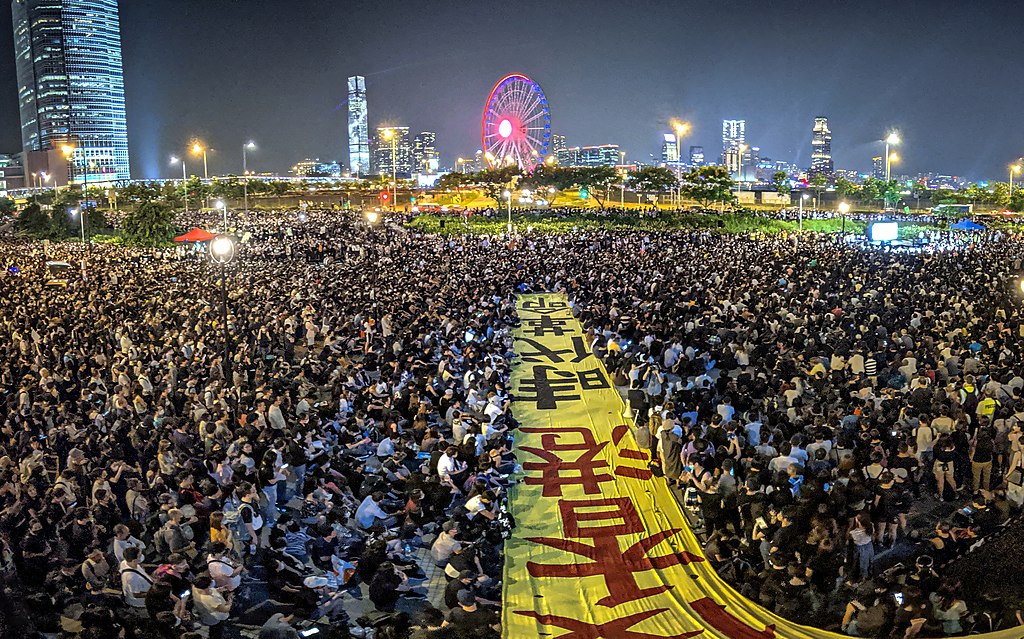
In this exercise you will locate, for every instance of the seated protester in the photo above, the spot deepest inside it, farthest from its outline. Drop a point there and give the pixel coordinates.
(445, 544)
(369, 515)
(465, 581)
(481, 505)
(386, 586)
(981, 516)
(463, 558)
(285, 575)
(226, 572)
(472, 619)
(861, 620)
(427, 624)
(135, 581)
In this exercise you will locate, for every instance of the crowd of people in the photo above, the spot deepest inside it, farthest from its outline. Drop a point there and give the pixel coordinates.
(843, 422)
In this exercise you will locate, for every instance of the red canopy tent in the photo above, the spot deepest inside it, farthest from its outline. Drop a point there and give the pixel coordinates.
(196, 235)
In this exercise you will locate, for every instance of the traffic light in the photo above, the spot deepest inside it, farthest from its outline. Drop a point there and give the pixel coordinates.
(584, 193)
(384, 196)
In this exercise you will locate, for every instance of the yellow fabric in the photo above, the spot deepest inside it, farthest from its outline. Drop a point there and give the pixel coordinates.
(677, 596)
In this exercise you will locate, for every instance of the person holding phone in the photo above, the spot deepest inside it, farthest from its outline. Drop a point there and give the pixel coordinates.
(212, 608)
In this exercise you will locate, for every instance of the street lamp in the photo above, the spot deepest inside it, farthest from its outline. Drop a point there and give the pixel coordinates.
(803, 197)
(891, 140)
(184, 178)
(1014, 168)
(69, 152)
(222, 251)
(389, 134)
(739, 167)
(80, 212)
(198, 148)
(844, 208)
(245, 173)
(680, 129)
(508, 200)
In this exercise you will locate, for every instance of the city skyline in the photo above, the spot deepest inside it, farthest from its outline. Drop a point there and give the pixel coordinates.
(195, 71)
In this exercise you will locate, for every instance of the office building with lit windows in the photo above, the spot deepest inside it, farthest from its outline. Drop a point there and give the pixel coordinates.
(358, 127)
(392, 140)
(424, 152)
(696, 156)
(582, 156)
(821, 149)
(71, 86)
(733, 140)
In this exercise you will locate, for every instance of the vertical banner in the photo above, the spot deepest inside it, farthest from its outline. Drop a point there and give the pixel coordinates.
(601, 548)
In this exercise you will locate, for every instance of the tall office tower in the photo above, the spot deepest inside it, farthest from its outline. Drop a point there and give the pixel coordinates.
(557, 144)
(821, 149)
(878, 167)
(358, 127)
(670, 151)
(392, 141)
(424, 153)
(734, 136)
(71, 86)
(696, 156)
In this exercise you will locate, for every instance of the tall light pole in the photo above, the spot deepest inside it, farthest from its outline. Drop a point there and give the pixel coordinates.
(680, 129)
(739, 167)
(69, 152)
(198, 149)
(389, 134)
(184, 178)
(245, 173)
(508, 199)
(891, 140)
(803, 196)
(1014, 168)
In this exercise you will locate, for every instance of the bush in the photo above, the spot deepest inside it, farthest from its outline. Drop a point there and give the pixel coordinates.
(150, 224)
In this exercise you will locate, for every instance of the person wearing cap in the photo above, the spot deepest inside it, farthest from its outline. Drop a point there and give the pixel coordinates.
(470, 618)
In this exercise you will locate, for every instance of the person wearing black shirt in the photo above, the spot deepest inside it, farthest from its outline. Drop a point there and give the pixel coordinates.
(473, 619)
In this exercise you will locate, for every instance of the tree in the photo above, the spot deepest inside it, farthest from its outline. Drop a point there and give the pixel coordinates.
(708, 184)
(7, 206)
(845, 188)
(891, 192)
(651, 179)
(870, 191)
(450, 181)
(781, 182)
(595, 179)
(494, 181)
(150, 224)
(1017, 200)
(33, 221)
(818, 182)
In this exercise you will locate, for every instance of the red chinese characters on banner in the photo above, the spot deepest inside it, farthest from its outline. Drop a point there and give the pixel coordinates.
(618, 567)
(716, 616)
(615, 629)
(633, 472)
(585, 470)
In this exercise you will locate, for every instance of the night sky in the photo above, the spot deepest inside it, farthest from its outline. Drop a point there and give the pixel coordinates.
(945, 74)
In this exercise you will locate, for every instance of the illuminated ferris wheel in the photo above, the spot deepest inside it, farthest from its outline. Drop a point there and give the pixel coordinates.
(516, 128)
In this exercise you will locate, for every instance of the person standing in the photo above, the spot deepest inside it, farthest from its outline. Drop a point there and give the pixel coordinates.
(210, 606)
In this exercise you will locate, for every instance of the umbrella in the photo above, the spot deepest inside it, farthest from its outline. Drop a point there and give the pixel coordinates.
(196, 235)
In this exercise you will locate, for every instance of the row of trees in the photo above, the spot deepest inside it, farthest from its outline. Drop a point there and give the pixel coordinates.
(707, 184)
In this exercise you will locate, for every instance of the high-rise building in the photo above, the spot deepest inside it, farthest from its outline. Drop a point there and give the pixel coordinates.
(696, 156)
(392, 140)
(71, 85)
(734, 136)
(878, 168)
(821, 149)
(670, 150)
(557, 144)
(603, 155)
(358, 127)
(424, 153)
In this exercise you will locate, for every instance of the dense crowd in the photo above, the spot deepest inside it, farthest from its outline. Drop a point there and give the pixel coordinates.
(843, 422)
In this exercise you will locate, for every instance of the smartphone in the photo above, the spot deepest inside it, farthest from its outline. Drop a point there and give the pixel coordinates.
(283, 466)
(309, 632)
(967, 511)
(898, 596)
(827, 485)
(688, 469)
(894, 433)
(184, 593)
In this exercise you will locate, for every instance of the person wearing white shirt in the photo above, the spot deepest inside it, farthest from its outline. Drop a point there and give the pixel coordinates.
(123, 540)
(135, 581)
(370, 513)
(449, 468)
(227, 576)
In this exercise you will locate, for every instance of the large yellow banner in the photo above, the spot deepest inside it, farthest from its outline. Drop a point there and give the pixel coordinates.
(601, 548)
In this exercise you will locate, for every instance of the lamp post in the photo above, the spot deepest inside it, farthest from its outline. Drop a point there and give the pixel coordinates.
(69, 152)
(389, 134)
(184, 178)
(200, 149)
(680, 129)
(803, 196)
(81, 220)
(739, 167)
(245, 174)
(222, 251)
(508, 200)
(844, 208)
(1014, 168)
(891, 140)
